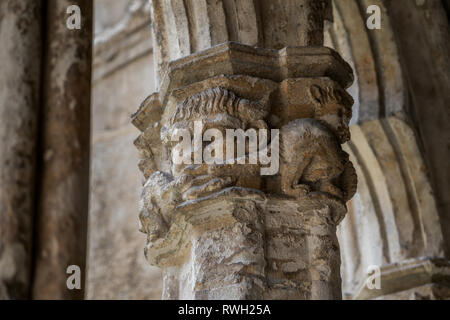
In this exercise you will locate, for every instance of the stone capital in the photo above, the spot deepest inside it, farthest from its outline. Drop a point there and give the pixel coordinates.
(233, 229)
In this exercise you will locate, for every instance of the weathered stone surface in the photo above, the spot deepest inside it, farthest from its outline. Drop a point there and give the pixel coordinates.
(313, 161)
(116, 267)
(421, 30)
(391, 198)
(119, 43)
(109, 14)
(380, 89)
(393, 216)
(238, 244)
(64, 178)
(20, 35)
(226, 238)
(425, 292)
(223, 229)
(181, 28)
(302, 252)
(171, 197)
(122, 77)
(416, 279)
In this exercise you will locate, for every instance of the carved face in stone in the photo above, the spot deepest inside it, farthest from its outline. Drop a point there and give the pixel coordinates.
(202, 119)
(333, 109)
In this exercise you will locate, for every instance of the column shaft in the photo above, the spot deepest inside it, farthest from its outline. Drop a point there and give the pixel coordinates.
(65, 144)
(20, 54)
(233, 229)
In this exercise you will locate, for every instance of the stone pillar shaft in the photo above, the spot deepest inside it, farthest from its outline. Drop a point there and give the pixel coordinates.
(181, 28)
(233, 229)
(65, 144)
(20, 35)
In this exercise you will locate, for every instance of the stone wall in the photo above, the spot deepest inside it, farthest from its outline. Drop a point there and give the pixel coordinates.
(123, 76)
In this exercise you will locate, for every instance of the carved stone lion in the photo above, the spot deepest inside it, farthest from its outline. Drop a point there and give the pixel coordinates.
(217, 108)
(220, 109)
(333, 108)
(312, 161)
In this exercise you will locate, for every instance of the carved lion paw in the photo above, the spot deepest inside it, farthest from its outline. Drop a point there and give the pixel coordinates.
(298, 190)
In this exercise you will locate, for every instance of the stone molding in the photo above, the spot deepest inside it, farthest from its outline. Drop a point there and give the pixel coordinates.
(412, 276)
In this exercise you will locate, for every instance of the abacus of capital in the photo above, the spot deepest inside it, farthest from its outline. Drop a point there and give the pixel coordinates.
(224, 231)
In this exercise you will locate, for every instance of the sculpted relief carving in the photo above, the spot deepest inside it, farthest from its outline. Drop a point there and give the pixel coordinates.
(333, 108)
(200, 161)
(216, 110)
(313, 161)
(257, 122)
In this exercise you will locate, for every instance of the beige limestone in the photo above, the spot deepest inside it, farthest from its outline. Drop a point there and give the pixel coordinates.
(116, 267)
(225, 231)
(393, 217)
(421, 31)
(414, 279)
(366, 53)
(122, 76)
(395, 214)
(181, 28)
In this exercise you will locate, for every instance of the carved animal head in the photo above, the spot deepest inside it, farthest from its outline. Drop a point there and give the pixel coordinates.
(333, 109)
(216, 108)
(153, 208)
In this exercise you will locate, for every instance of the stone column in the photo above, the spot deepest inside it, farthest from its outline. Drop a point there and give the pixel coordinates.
(237, 229)
(65, 144)
(20, 54)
